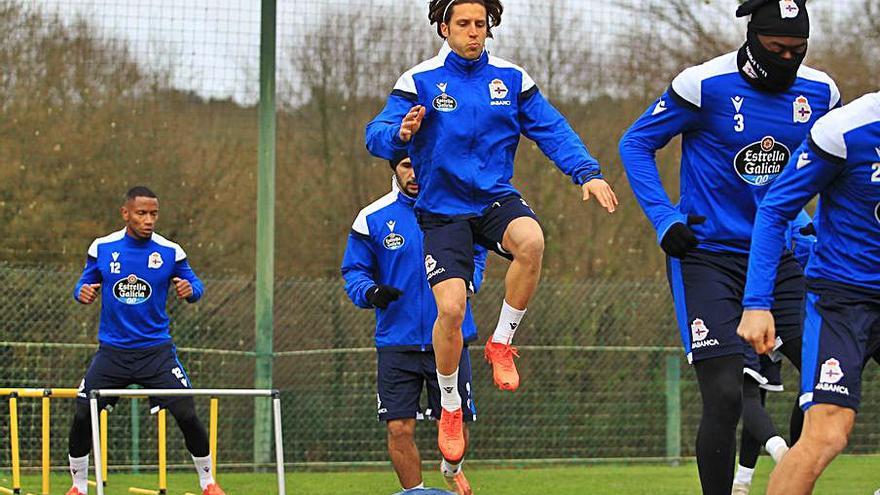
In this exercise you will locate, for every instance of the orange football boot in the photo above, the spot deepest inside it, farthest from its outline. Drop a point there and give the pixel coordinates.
(459, 484)
(450, 435)
(213, 489)
(503, 370)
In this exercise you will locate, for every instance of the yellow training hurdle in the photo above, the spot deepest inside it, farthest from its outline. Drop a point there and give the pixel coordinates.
(46, 394)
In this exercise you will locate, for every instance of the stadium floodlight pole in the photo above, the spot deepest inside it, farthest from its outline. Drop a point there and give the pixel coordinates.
(265, 269)
(275, 409)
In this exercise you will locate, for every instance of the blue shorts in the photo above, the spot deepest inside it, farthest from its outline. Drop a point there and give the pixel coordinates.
(766, 370)
(841, 326)
(153, 367)
(401, 376)
(707, 289)
(449, 241)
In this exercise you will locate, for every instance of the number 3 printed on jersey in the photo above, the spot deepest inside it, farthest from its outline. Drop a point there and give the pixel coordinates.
(740, 122)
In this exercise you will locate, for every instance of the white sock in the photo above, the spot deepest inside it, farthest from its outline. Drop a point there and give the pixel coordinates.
(449, 469)
(79, 470)
(203, 467)
(508, 322)
(449, 398)
(420, 486)
(744, 475)
(777, 448)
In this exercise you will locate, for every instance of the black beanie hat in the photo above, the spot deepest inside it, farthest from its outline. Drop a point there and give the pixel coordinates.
(777, 17)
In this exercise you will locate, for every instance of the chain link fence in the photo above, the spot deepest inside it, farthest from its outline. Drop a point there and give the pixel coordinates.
(602, 374)
(97, 95)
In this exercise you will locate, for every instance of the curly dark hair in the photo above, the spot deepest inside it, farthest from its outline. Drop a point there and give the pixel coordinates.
(440, 12)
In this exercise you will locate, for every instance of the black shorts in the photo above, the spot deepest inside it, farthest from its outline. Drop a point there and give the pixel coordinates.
(401, 376)
(763, 369)
(449, 241)
(841, 332)
(153, 367)
(707, 289)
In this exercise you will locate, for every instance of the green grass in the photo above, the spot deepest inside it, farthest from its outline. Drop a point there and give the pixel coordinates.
(849, 475)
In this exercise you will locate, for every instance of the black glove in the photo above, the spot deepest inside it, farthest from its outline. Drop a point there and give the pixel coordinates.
(808, 229)
(381, 296)
(680, 239)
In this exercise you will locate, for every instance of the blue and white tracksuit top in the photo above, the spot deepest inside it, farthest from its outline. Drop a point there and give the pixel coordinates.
(135, 275)
(736, 140)
(385, 247)
(839, 161)
(476, 111)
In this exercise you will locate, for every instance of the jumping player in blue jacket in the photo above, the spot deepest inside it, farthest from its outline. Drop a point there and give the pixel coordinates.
(459, 116)
(132, 270)
(740, 115)
(840, 161)
(382, 268)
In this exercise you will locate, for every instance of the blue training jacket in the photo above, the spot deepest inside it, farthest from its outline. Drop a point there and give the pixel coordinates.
(840, 161)
(385, 247)
(476, 111)
(736, 140)
(135, 275)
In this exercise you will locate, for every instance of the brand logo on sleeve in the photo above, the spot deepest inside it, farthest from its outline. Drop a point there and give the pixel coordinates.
(803, 160)
(132, 290)
(760, 163)
(659, 108)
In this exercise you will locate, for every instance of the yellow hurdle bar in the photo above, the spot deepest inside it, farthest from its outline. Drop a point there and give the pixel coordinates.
(13, 438)
(142, 491)
(46, 445)
(104, 444)
(212, 435)
(34, 393)
(163, 467)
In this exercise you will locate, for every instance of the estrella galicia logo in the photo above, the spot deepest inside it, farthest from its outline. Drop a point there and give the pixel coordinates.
(760, 163)
(877, 212)
(132, 290)
(444, 102)
(393, 241)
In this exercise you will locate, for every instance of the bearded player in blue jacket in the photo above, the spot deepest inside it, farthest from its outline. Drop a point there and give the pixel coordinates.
(459, 116)
(382, 268)
(740, 115)
(131, 270)
(840, 161)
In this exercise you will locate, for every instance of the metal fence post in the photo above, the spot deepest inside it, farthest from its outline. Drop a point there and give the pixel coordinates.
(265, 234)
(135, 437)
(673, 409)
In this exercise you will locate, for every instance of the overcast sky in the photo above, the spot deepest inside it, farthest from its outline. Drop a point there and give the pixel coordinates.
(213, 45)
